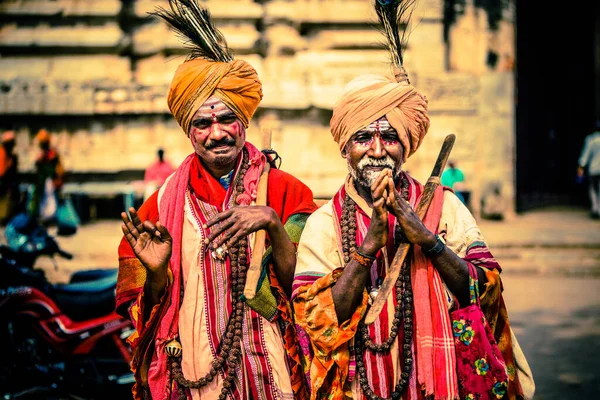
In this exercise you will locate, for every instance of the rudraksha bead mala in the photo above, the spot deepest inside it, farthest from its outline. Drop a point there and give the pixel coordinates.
(403, 313)
(230, 345)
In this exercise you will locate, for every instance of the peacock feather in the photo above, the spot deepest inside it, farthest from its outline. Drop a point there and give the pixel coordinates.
(394, 17)
(193, 24)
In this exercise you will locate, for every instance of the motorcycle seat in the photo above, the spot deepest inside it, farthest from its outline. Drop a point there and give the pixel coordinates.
(94, 274)
(82, 300)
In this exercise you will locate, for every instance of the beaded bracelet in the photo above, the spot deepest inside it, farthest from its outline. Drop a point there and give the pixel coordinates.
(365, 261)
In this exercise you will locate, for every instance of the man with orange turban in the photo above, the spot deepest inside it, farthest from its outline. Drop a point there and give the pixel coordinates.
(348, 245)
(49, 173)
(185, 253)
(9, 184)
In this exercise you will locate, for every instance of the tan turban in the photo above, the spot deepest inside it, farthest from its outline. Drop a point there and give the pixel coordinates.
(235, 83)
(368, 98)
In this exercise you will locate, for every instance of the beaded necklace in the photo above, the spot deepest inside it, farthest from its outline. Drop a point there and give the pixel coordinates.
(402, 311)
(230, 346)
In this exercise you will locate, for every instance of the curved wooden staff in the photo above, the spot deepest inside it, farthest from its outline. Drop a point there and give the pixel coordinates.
(258, 250)
(432, 183)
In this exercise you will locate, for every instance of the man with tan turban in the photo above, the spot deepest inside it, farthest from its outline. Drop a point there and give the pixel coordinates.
(349, 243)
(185, 252)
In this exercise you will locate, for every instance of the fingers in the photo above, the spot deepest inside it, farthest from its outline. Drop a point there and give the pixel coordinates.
(130, 238)
(217, 230)
(162, 232)
(379, 190)
(236, 238)
(135, 218)
(150, 229)
(378, 180)
(217, 240)
(218, 218)
(129, 226)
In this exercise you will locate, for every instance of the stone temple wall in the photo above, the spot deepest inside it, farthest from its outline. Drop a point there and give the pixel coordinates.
(96, 74)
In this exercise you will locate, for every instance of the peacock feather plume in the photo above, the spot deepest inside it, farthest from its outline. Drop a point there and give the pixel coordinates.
(394, 17)
(193, 24)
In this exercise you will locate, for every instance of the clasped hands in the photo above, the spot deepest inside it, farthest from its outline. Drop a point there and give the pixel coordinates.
(386, 199)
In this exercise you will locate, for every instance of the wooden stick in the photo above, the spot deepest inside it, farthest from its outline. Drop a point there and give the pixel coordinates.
(258, 250)
(390, 280)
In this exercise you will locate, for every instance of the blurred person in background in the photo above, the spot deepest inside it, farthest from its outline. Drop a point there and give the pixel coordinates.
(185, 252)
(454, 178)
(49, 173)
(9, 183)
(590, 158)
(156, 174)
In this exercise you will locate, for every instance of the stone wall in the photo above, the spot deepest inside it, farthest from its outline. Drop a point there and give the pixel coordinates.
(96, 74)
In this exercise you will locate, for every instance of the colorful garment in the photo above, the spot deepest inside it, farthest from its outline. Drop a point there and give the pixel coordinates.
(328, 345)
(270, 367)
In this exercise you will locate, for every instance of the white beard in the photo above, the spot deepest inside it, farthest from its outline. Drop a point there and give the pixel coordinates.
(366, 177)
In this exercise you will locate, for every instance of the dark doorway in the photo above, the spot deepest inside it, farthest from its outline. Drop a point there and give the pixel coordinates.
(557, 99)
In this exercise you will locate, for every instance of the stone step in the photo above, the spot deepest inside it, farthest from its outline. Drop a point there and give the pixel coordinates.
(563, 261)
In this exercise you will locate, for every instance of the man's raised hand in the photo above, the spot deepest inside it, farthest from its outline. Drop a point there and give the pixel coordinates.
(152, 244)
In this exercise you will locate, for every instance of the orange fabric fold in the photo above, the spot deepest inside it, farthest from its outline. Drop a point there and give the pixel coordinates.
(370, 97)
(235, 83)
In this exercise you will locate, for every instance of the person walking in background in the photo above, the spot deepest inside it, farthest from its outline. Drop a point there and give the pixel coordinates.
(454, 178)
(156, 174)
(9, 184)
(49, 174)
(590, 158)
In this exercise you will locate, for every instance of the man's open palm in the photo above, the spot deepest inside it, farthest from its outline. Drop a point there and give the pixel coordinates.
(152, 244)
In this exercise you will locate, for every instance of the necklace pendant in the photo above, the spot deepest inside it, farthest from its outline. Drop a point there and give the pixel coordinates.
(373, 295)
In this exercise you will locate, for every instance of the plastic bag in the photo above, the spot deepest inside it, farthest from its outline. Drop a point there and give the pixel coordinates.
(48, 205)
(67, 219)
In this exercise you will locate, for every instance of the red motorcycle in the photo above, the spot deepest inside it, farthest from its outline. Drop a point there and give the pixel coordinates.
(61, 340)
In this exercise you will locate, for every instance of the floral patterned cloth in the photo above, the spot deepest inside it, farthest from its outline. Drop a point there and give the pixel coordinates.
(482, 372)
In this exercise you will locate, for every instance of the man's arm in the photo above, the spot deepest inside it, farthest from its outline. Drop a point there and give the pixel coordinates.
(453, 269)
(584, 158)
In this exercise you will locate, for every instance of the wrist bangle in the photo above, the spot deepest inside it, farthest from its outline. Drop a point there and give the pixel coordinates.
(373, 258)
(365, 261)
(437, 248)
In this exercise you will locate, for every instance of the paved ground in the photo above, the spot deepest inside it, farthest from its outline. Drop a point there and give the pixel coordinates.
(551, 262)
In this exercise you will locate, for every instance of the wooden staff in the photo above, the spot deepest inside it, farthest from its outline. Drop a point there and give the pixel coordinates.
(258, 250)
(432, 183)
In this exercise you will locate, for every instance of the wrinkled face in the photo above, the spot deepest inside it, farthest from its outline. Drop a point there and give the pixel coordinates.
(217, 134)
(373, 149)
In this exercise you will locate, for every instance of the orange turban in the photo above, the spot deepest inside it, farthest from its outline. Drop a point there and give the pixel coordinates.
(235, 83)
(368, 98)
(43, 136)
(8, 136)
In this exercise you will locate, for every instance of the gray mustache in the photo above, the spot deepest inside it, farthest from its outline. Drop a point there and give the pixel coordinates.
(376, 162)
